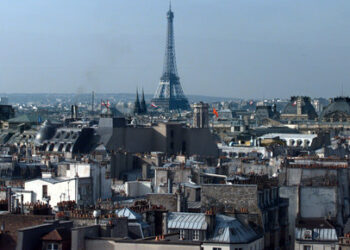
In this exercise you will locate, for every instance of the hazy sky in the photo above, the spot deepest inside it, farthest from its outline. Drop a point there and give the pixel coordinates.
(231, 48)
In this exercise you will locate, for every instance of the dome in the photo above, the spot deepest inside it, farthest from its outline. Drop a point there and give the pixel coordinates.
(47, 131)
(306, 107)
(337, 110)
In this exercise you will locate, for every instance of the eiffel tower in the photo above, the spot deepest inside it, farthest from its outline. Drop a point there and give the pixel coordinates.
(169, 94)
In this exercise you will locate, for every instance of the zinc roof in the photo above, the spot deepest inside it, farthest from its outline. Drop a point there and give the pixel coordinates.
(187, 221)
(317, 234)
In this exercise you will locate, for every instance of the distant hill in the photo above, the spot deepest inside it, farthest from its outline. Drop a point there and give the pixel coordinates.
(49, 98)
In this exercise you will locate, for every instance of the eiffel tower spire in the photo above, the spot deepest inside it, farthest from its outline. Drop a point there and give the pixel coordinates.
(169, 94)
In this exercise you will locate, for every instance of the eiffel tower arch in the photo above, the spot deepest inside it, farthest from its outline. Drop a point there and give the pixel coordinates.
(169, 94)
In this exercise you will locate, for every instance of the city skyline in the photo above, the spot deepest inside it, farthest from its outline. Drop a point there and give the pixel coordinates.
(249, 50)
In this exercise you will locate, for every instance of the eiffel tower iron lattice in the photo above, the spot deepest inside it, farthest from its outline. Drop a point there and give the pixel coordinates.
(169, 94)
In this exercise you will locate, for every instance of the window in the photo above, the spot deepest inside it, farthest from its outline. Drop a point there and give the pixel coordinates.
(196, 235)
(182, 234)
(216, 248)
(44, 191)
(52, 246)
(307, 247)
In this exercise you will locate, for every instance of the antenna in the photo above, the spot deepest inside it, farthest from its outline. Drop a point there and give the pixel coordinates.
(92, 102)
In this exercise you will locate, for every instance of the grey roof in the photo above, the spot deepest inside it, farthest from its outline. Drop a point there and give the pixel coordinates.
(227, 229)
(306, 107)
(179, 220)
(267, 111)
(126, 212)
(319, 234)
(231, 230)
(51, 180)
(190, 185)
(194, 204)
(339, 104)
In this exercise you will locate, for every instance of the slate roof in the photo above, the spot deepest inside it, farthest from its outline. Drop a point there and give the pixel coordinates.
(318, 234)
(28, 118)
(306, 107)
(126, 212)
(231, 230)
(51, 180)
(187, 221)
(339, 104)
(227, 229)
(317, 229)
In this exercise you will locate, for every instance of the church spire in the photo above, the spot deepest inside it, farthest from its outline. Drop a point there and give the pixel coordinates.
(137, 107)
(143, 103)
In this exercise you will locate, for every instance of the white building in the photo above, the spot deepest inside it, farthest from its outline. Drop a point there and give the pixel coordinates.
(83, 182)
(55, 190)
(292, 140)
(101, 187)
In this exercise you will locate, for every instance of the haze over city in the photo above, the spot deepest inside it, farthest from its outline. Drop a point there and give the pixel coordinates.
(223, 48)
(190, 124)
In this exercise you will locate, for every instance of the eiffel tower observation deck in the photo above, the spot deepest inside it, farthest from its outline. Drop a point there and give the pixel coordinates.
(169, 94)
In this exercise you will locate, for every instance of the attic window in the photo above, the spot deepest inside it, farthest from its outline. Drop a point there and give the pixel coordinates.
(52, 246)
(196, 235)
(182, 234)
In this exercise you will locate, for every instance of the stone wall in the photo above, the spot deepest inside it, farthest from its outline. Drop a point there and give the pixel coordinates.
(230, 197)
(292, 193)
(168, 201)
(318, 202)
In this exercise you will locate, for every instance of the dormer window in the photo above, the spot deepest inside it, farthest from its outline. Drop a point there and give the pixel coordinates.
(182, 234)
(196, 235)
(52, 246)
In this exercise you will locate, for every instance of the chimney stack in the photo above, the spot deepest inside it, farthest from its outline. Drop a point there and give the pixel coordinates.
(170, 186)
(9, 200)
(165, 223)
(210, 220)
(74, 112)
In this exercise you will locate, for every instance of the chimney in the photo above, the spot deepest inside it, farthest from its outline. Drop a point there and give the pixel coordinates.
(22, 207)
(210, 220)
(170, 186)
(179, 201)
(165, 223)
(74, 112)
(9, 200)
